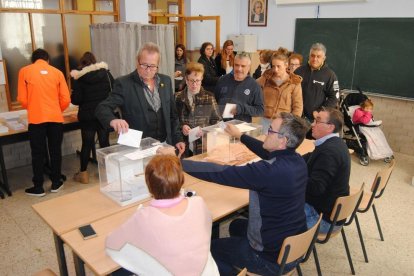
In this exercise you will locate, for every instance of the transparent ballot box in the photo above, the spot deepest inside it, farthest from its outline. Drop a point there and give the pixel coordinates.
(219, 147)
(121, 170)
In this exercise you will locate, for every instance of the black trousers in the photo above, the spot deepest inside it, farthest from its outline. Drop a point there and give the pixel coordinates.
(40, 135)
(88, 130)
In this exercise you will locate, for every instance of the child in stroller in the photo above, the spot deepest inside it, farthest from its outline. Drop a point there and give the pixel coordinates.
(368, 139)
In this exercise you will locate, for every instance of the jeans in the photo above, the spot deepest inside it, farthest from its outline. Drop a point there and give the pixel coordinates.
(312, 218)
(235, 253)
(38, 135)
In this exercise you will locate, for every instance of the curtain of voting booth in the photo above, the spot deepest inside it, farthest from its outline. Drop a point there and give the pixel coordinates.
(118, 44)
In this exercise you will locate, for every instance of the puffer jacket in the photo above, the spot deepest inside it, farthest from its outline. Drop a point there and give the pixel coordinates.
(284, 98)
(91, 85)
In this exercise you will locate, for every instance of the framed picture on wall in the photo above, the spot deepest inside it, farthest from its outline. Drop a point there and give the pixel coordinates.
(257, 13)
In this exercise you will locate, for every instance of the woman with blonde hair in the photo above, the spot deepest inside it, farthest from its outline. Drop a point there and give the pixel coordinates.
(225, 59)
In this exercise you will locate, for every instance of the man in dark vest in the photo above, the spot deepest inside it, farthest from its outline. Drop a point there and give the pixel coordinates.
(146, 101)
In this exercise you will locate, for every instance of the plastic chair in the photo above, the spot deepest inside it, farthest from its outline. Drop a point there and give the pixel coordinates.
(368, 200)
(298, 247)
(345, 208)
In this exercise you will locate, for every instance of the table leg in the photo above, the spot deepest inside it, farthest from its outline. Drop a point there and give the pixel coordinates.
(60, 252)
(5, 182)
(79, 265)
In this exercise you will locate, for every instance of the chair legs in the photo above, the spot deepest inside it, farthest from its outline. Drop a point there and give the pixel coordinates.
(347, 251)
(299, 270)
(315, 256)
(361, 239)
(378, 223)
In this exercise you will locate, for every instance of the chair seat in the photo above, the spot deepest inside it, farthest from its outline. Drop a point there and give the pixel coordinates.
(322, 236)
(45, 272)
(365, 197)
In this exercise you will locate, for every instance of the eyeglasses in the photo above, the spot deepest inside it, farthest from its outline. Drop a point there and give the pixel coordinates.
(294, 65)
(270, 130)
(318, 121)
(194, 81)
(148, 66)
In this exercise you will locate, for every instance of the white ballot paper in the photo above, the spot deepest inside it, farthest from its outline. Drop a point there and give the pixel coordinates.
(227, 110)
(193, 134)
(131, 138)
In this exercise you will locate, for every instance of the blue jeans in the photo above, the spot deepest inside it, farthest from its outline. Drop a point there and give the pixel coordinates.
(235, 253)
(312, 218)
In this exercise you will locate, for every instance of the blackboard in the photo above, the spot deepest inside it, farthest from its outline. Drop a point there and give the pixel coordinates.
(375, 54)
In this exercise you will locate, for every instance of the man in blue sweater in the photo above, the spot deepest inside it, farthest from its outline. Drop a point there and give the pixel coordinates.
(277, 197)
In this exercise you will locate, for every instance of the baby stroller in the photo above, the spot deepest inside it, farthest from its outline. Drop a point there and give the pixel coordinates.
(368, 141)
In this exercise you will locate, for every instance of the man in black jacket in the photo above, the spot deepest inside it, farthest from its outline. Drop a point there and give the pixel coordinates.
(146, 101)
(329, 167)
(320, 85)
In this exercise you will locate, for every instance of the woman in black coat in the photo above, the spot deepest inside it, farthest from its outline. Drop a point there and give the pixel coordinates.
(210, 76)
(92, 84)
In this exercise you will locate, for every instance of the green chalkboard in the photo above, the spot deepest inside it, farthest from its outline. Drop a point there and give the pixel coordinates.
(375, 54)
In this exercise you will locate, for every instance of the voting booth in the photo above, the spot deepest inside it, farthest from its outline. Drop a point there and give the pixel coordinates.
(122, 170)
(219, 146)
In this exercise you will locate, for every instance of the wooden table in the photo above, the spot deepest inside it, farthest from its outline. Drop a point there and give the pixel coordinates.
(15, 136)
(221, 201)
(66, 213)
(89, 206)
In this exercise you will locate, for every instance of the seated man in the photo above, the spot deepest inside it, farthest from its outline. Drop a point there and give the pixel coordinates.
(329, 168)
(277, 197)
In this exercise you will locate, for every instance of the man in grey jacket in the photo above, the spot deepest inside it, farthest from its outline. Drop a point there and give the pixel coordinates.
(146, 101)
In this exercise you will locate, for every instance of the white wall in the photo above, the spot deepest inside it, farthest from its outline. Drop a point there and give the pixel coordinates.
(199, 32)
(280, 30)
(133, 11)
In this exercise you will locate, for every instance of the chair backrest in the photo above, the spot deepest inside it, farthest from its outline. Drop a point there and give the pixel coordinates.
(385, 175)
(243, 272)
(346, 206)
(295, 247)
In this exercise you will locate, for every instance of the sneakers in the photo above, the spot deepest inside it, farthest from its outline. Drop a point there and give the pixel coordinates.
(35, 191)
(56, 187)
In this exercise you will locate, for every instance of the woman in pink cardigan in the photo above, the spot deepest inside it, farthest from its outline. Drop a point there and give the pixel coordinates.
(170, 236)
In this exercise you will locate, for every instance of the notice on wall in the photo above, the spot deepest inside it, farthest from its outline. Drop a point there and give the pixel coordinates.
(2, 74)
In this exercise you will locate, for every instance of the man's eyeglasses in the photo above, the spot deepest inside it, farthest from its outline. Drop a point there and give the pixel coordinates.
(148, 66)
(318, 121)
(270, 130)
(194, 81)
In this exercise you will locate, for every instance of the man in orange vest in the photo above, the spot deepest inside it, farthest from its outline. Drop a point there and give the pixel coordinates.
(43, 91)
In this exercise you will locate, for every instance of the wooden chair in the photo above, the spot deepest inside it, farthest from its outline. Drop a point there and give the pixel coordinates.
(377, 190)
(45, 272)
(243, 272)
(345, 208)
(298, 247)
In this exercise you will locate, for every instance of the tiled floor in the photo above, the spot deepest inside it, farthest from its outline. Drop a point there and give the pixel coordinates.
(26, 243)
